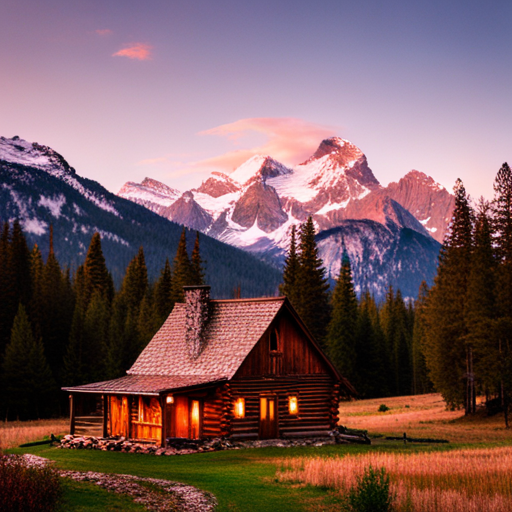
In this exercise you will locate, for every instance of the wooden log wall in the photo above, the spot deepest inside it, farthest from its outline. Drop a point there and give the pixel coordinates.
(315, 400)
(227, 410)
(212, 414)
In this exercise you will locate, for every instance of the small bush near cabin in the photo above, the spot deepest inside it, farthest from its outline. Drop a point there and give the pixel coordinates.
(383, 408)
(371, 494)
(27, 489)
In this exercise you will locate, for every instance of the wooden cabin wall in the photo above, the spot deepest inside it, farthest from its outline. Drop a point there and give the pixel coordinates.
(213, 408)
(317, 399)
(295, 356)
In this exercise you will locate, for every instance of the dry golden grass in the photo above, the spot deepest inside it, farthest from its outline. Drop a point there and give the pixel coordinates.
(460, 480)
(423, 416)
(14, 433)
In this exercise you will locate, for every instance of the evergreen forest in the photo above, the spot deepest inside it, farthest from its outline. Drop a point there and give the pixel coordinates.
(58, 329)
(456, 338)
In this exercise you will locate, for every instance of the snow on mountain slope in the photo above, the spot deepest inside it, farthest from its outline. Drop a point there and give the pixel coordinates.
(32, 154)
(255, 206)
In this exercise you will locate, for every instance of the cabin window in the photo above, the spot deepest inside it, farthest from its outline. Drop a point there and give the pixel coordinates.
(240, 408)
(293, 405)
(274, 346)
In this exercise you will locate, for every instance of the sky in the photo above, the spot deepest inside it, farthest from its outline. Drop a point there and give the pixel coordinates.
(174, 89)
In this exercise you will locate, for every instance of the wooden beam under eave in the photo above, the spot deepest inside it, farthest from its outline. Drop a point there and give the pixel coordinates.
(71, 414)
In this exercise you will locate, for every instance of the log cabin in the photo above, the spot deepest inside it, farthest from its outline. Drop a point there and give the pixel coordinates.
(244, 369)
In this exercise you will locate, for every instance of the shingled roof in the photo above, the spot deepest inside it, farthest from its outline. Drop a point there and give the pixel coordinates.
(233, 329)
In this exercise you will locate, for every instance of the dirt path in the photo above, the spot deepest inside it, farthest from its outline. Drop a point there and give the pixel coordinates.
(154, 494)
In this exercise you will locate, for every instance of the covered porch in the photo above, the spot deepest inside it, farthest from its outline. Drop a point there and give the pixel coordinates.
(147, 409)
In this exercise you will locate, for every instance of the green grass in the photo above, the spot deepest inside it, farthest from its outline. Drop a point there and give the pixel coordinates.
(241, 480)
(88, 497)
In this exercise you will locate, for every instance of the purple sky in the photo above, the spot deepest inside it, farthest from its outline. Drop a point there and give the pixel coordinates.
(175, 89)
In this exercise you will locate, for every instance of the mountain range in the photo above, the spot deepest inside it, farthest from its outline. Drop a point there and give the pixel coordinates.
(40, 188)
(391, 234)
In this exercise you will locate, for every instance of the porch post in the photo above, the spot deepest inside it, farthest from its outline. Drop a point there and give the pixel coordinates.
(71, 415)
(163, 406)
(105, 416)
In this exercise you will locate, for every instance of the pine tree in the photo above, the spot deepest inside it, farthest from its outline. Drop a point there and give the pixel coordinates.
(502, 217)
(75, 371)
(289, 287)
(27, 380)
(95, 274)
(21, 264)
(481, 306)
(446, 351)
(312, 302)
(341, 334)
(135, 282)
(420, 382)
(163, 291)
(181, 270)
(196, 265)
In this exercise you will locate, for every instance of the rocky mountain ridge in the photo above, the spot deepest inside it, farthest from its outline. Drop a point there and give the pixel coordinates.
(38, 187)
(255, 206)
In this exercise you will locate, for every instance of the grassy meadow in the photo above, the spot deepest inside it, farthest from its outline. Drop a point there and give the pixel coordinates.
(471, 473)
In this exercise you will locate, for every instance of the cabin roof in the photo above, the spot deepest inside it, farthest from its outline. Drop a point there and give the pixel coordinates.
(233, 329)
(144, 384)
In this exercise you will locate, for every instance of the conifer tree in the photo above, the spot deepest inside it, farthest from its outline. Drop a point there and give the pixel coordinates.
(481, 306)
(401, 343)
(372, 364)
(37, 300)
(9, 297)
(163, 291)
(289, 287)
(446, 351)
(502, 216)
(181, 270)
(27, 380)
(341, 334)
(196, 264)
(312, 302)
(135, 282)
(20, 255)
(75, 370)
(420, 380)
(95, 338)
(95, 274)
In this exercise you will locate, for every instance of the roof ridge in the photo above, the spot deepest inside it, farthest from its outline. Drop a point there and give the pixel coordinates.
(257, 299)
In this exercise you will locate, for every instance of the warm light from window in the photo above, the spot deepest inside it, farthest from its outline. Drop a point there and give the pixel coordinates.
(240, 408)
(293, 405)
(195, 412)
(169, 399)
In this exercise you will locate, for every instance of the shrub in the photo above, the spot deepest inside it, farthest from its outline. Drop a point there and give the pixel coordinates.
(27, 489)
(371, 493)
(383, 408)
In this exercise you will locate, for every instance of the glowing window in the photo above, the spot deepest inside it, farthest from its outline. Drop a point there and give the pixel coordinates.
(263, 408)
(240, 408)
(169, 399)
(293, 405)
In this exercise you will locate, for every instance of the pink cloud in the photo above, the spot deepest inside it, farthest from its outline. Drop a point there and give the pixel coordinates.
(288, 140)
(138, 51)
(103, 32)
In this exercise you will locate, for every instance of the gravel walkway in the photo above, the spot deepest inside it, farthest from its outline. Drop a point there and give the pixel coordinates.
(155, 494)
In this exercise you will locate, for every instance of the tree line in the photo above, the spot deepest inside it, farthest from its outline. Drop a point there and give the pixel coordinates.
(62, 329)
(375, 346)
(467, 314)
(455, 338)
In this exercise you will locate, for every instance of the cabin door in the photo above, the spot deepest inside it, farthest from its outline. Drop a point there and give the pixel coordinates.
(119, 416)
(268, 417)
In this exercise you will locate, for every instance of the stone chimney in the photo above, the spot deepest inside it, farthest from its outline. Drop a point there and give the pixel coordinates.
(197, 301)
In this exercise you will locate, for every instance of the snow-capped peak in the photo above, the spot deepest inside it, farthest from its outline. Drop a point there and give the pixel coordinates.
(32, 154)
(259, 166)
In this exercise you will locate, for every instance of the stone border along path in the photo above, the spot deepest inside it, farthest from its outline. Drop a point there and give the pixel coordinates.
(167, 497)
